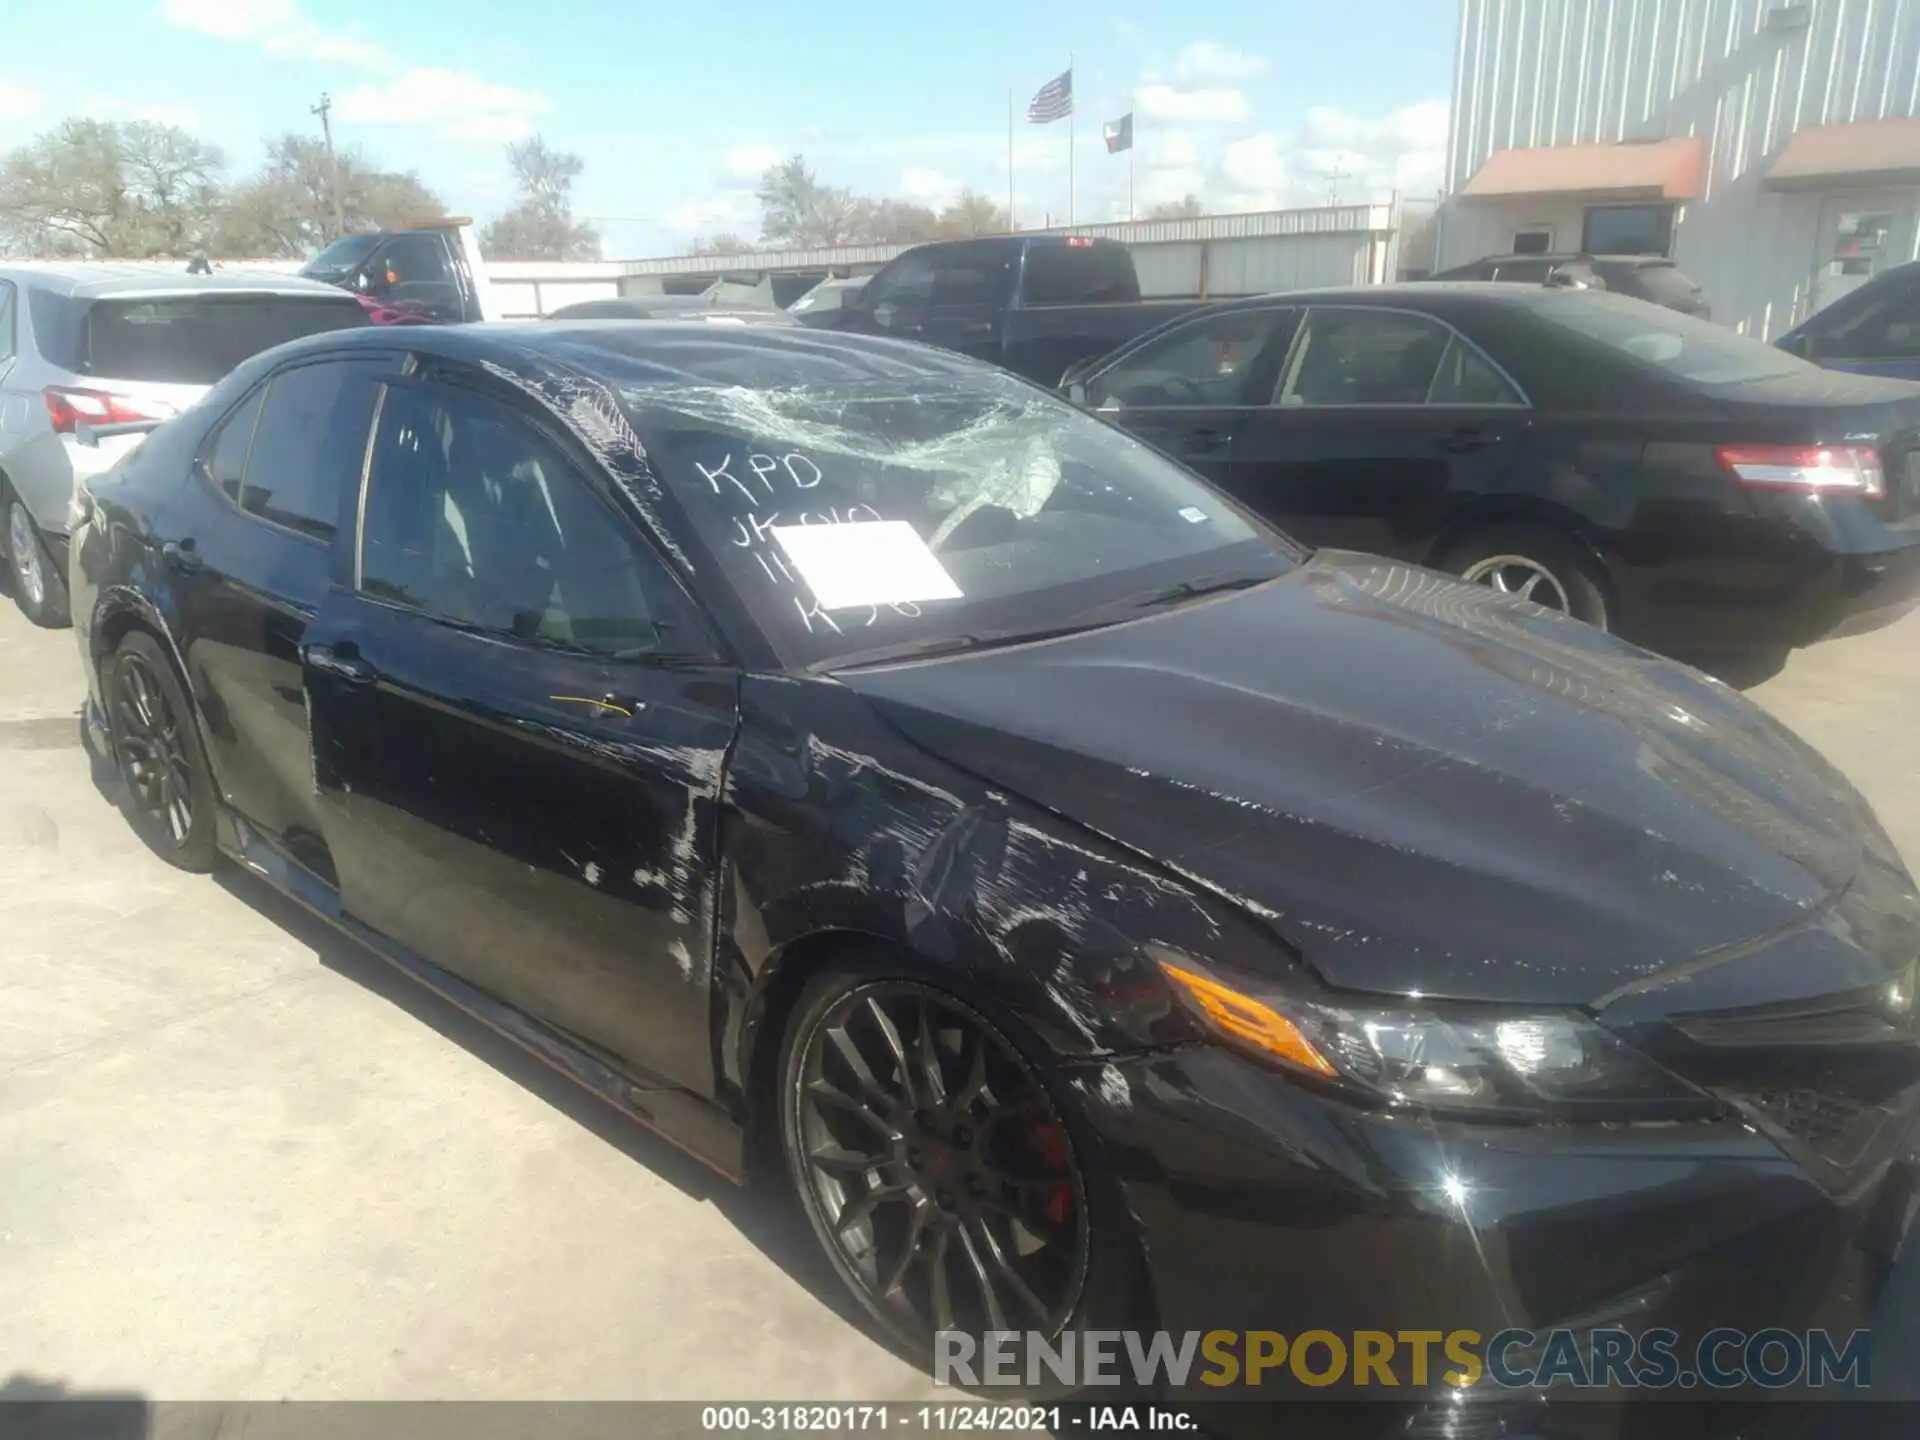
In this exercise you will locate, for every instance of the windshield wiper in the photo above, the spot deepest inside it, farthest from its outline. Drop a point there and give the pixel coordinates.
(1193, 589)
(930, 646)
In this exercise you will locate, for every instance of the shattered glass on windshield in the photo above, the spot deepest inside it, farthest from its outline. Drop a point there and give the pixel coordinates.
(1036, 512)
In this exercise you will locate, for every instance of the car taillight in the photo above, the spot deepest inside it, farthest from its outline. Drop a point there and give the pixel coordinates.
(1809, 469)
(1079, 242)
(67, 407)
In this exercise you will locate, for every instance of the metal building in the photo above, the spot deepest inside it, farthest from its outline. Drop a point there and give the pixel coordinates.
(1210, 256)
(1771, 148)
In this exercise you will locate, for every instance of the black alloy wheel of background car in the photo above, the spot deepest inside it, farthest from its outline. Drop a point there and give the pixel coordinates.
(157, 747)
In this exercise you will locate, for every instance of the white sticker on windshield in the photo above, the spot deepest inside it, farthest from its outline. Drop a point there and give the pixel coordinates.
(873, 562)
(1194, 515)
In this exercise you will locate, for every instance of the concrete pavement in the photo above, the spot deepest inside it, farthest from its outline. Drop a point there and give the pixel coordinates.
(240, 1159)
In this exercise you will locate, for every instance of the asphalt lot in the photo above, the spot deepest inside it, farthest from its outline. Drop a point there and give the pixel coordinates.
(242, 1160)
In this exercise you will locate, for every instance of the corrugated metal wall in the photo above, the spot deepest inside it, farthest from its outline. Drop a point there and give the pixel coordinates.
(1565, 72)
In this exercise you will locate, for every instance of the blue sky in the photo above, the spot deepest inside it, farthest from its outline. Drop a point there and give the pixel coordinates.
(675, 108)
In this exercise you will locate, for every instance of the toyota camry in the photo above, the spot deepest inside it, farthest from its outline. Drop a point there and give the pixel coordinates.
(1116, 915)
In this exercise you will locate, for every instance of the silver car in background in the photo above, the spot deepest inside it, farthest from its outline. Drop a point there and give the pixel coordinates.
(107, 344)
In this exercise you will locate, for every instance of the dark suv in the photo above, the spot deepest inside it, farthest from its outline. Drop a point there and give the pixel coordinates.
(1645, 277)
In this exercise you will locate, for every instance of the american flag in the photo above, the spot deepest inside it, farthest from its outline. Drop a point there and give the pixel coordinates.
(1052, 101)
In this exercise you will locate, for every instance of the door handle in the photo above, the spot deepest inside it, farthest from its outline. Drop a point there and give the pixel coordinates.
(342, 661)
(1466, 439)
(182, 555)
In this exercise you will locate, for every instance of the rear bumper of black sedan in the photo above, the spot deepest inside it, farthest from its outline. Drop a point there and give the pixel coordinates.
(1268, 1208)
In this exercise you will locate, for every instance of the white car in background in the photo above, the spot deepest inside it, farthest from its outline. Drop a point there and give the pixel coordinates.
(107, 344)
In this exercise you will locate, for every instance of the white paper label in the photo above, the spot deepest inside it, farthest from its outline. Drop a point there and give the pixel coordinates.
(873, 562)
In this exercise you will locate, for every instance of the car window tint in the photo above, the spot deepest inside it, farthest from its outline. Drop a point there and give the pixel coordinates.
(198, 339)
(1466, 377)
(1080, 275)
(973, 275)
(227, 455)
(908, 281)
(1364, 357)
(1886, 329)
(1208, 361)
(474, 516)
(308, 445)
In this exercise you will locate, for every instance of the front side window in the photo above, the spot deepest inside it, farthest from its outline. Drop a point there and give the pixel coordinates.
(475, 517)
(308, 445)
(908, 281)
(1628, 230)
(1664, 340)
(855, 514)
(1364, 357)
(1209, 361)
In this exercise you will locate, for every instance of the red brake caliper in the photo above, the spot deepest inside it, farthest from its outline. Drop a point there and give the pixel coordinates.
(1052, 1147)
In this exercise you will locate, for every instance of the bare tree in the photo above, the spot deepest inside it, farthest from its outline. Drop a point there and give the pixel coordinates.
(285, 210)
(797, 209)
(541, 225)
(1187, 207)
(104, 187)
(971, 213)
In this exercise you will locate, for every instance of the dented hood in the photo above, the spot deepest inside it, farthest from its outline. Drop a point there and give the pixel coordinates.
(1423, 787)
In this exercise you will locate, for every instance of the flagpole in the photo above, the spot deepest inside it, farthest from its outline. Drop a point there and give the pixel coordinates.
(1072, 105)
(1011, 225)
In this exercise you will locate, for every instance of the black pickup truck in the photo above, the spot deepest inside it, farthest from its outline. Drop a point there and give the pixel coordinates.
(423, 275)
(1033, 304)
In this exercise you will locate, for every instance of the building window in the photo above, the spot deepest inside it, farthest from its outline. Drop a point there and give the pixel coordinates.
(1532, 242)
(1628, 230)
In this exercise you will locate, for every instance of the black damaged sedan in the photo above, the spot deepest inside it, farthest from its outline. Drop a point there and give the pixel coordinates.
(1117, 916)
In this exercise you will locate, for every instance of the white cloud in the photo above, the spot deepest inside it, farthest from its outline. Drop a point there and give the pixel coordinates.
(1208, 60)
(927, 186)
(231, 19)
(723, 213)
(1190, 107)
(16, 101)
(457, 104)
(105, 107)
(277, 26)
(748, 161)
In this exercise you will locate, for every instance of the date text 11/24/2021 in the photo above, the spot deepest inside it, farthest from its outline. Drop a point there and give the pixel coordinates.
(973, 1419)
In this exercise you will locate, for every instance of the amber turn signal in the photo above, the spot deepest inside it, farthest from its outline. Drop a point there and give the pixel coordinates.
(1242, 1018)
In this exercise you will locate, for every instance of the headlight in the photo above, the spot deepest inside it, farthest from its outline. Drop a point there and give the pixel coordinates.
(1518, 1065)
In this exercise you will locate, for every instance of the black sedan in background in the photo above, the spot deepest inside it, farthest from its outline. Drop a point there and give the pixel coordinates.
(1115, 916)
(1700, 493)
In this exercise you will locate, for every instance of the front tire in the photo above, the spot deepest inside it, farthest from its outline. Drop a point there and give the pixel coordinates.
(156, 745)
(1533, 563)
(37, 587)
(948, 1184)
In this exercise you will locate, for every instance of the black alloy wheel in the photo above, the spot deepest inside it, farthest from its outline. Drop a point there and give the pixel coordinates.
(157, 747)
(935, 1168)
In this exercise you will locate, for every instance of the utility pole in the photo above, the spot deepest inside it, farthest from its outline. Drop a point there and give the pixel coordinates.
(325, 111)
(1333, 178)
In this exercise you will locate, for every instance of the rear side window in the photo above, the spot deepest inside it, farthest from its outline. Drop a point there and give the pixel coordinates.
(198, 339)
(226, 462)
(1080, 275)
(1364, 357)
(1467, 378)
(308, 445)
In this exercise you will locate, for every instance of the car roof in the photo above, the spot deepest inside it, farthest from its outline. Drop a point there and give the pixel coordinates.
(106, 279)
(657, 352)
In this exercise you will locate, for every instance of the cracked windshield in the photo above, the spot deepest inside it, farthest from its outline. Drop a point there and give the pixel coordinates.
(1019, 720)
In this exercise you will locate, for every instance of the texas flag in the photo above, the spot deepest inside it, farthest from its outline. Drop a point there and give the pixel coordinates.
(1118, 134)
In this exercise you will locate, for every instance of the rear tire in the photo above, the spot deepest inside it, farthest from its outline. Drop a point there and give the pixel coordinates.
(37, 587)
(156, 745)
(1533, 563)
(953, 1160)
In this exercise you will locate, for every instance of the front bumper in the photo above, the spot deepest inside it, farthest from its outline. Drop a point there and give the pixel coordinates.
(1267, 1207)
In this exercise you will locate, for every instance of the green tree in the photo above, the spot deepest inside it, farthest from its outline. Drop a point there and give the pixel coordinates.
(541, 226)
(131, 189)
